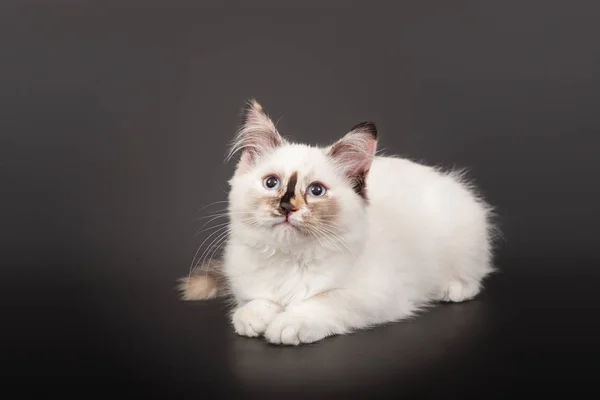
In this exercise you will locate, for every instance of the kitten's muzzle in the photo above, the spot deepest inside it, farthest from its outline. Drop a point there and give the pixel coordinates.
(286, 208)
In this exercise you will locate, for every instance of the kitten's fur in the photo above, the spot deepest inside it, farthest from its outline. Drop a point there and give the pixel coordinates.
(388, 237)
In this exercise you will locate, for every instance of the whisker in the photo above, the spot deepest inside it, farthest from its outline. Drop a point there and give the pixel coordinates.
(315, 237)
(225, 213)
(330, 229)
(212, 204)
(330, 225)
(209, 228)
(192, 267)
(218, 246)
(222, 211)
(323, 235)
(337, 238)
(205, 252)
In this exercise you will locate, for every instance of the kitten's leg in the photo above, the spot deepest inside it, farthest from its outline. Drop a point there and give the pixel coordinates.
(253, 318)
(326, 314)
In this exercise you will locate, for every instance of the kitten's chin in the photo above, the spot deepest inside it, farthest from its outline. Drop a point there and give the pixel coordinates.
(287, 230)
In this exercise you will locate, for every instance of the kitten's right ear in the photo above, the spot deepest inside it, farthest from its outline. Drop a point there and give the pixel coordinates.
(354, 153)
(256, 136)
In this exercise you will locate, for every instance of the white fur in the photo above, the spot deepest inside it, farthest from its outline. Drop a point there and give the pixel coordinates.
(423, 236)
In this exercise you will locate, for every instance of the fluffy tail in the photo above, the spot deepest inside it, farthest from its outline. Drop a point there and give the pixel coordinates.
(204, 283)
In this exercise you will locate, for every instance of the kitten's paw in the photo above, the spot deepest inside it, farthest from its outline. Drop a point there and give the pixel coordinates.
(253, 318)
(458, 291)
(293, 329)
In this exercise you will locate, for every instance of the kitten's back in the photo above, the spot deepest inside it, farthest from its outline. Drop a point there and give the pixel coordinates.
(431, 217)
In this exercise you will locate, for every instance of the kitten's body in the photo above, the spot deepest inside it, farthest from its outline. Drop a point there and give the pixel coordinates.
(391, 237)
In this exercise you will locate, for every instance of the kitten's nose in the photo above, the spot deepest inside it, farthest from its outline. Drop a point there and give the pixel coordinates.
(286, 208)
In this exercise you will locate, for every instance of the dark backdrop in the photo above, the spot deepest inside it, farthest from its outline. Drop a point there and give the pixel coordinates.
(114, 121)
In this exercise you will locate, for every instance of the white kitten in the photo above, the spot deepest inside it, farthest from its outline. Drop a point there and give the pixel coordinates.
(324, 241)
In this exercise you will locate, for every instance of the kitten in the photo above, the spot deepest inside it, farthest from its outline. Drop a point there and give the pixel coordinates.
(326, 241)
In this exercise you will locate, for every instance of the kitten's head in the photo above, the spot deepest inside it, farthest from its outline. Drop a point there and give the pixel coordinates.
(290, 193)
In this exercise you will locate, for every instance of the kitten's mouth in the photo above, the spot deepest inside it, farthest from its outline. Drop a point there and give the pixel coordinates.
(286, 222)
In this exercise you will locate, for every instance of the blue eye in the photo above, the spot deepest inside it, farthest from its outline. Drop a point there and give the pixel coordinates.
(316, 190)
(271, 182)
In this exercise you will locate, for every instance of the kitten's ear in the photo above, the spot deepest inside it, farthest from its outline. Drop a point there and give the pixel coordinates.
(354, 153)
(256, 136)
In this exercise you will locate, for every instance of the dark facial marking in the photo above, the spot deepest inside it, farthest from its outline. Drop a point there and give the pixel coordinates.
(359, 185)
(358, 178)
(286, 204)
(322, 212)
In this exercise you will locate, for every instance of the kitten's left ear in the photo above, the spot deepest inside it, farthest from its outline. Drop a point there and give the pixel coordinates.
(256, 136)
(354, 153)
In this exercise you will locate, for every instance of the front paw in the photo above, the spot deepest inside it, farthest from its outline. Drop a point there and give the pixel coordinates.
(293, 329)
(253, 318)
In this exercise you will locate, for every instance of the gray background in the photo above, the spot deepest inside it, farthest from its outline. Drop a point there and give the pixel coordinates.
(114, 122)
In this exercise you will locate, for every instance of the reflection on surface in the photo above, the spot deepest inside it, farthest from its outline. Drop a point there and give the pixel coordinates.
(364, 358)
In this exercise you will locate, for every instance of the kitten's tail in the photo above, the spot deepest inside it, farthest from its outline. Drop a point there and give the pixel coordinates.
(204, 283)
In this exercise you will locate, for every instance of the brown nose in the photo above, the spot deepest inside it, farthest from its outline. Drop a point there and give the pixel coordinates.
(286, 208)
